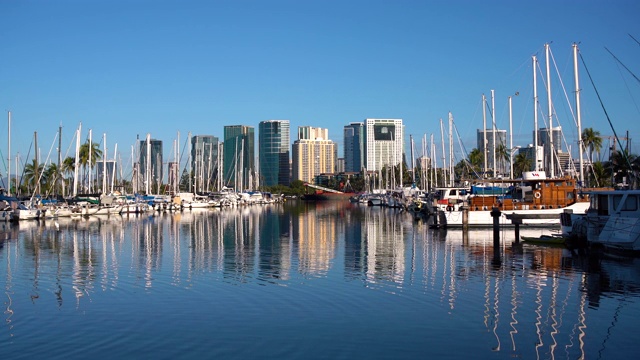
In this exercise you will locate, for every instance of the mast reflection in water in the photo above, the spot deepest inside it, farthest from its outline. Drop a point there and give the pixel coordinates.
(304, 280)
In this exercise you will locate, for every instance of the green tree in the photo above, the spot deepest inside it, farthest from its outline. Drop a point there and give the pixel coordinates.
(32, 173)
(599, 175)
(592, 141)
(621, 166)
(87, 152)
(521, 164)
(52, 178)
(502, 157)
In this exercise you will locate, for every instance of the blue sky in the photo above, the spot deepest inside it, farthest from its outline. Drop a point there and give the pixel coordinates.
(128, 68)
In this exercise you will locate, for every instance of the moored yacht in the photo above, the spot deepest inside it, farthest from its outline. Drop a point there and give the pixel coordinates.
(537, 200)
(612, 220)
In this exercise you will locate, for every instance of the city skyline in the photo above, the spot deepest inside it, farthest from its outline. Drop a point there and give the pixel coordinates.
(192, 68)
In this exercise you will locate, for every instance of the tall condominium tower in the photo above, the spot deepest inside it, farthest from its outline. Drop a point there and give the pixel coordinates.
(239, 163)
(384, 143)
(150, 165)
(273, 151)
(204, 162)
(312, 154)
(501, 165)
(354, 147)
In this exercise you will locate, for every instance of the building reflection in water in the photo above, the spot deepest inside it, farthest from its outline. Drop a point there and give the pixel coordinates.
(536, 291)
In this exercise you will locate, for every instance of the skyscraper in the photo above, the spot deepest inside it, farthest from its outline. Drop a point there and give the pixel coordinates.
(151, 165)
(354, 147)
(274, 140)
(239, 163)
(384, 143)
(544, 140)
(312, 154)
(500, 141)
(204, 162)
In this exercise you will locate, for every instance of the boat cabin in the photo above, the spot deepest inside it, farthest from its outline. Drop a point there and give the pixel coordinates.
(624, 203)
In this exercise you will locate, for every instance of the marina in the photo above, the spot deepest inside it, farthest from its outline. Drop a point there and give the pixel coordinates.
(299, 279)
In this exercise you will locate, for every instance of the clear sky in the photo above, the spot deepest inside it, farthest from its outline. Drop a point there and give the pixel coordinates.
(132, 67)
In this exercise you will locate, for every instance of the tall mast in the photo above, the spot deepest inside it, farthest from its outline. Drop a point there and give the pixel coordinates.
(90, 167)
(550, 110)
(413, 164)
(485, 154)
(77, 162)
(58, 178)
(444, 156)
(104, 163)
(9, 158)
(190, 163)
(510, 140)
(148, 166)
(113, 173)
(580, 144)
(434, 173)
(37, 165)
(451, 172)
(493, 132)
(535, 116)
(177, 175)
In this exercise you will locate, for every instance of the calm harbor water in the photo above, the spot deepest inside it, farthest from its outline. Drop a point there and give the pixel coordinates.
(305, 280)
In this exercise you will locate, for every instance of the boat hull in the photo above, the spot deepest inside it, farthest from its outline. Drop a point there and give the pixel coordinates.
(454, 216)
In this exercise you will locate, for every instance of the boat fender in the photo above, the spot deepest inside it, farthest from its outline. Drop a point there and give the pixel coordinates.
(536, 195)
(449, 208)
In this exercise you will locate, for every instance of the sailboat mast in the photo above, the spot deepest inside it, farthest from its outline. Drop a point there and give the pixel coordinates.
(444, 155)
(58, 177)
(550, 110)
(536, 160)
(493, 133)
(113, 172)
(9, 158)
(148, 166)
(485, 153)
(510, 139)
(451, 172)
(37, 165)
(104, 163)
(580, 144)
(77, 162)
(90, 167)
(413, 163)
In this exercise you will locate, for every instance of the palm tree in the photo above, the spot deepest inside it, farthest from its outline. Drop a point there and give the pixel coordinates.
(51, 178)
(599, 175)
(476, 159)
(622, 166)
(96, 154)
(502, 156)
(592, 140)
(31, 174)
(521, 164)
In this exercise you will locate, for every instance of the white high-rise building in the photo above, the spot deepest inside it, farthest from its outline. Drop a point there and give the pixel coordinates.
(383, 143)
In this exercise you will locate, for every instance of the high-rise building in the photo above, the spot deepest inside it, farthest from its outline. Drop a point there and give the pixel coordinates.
(311, 133)
(204, 162)
(500, 141)
(151, 173)
(354, 147)
(312, 154)
(544, 140)
(274, 137)
(384, 143)
(239, 158)
(112, 171)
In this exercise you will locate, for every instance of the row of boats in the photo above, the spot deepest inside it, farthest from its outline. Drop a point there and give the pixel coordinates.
(14, 209)
(606, 217)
